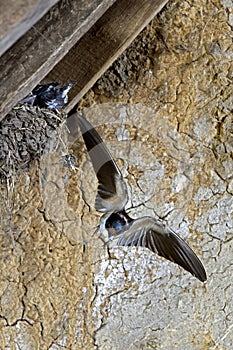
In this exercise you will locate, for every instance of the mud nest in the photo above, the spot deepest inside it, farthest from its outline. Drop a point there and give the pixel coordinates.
(132, 62)
(25, 133)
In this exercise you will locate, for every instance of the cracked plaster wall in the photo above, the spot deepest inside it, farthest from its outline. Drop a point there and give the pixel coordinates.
(171, 94)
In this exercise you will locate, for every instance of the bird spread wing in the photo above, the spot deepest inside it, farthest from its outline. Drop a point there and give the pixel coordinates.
(112, 194)
(162, 240)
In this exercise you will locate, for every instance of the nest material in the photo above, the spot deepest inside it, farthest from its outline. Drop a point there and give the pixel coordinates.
(25, 133)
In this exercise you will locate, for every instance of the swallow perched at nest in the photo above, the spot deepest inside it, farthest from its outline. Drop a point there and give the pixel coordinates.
(48, 96)
(111, 199)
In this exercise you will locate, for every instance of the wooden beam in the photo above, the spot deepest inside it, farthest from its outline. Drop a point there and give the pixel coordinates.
(28, 61)
(16, 17)
(102, 44)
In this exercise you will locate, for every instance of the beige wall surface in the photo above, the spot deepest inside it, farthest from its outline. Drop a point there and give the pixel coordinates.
(165, 111)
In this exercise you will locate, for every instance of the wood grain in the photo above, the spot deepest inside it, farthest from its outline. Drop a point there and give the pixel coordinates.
(16, 17)
(75, 41)
(28, 61)
(102, 44)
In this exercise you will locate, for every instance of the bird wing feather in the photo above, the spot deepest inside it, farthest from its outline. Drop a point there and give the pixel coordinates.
(112, 193)
(165, 242)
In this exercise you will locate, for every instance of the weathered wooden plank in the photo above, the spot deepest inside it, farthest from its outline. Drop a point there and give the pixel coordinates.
(43, 46)
(102, 44)
(16, 17)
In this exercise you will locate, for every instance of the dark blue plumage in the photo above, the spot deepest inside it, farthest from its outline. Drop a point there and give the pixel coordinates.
(48, 96)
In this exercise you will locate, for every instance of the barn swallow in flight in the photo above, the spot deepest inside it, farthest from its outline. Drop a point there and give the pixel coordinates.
(49, 96)
(111, 199)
